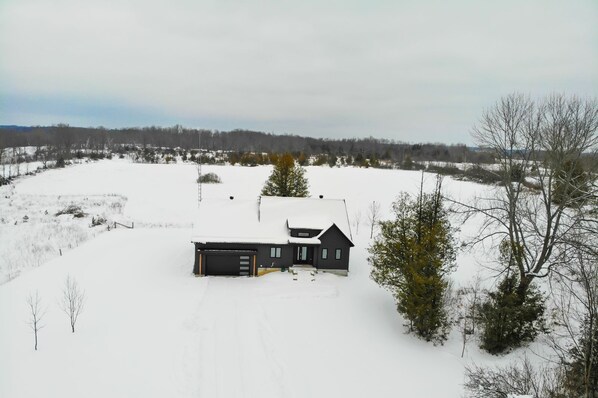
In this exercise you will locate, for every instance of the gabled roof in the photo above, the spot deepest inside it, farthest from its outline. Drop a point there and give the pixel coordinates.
(267, 219)
(332, 228)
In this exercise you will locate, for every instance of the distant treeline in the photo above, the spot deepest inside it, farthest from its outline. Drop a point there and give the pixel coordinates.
(67, 140)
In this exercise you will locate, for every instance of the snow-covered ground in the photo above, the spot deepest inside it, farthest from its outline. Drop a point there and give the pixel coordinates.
(152, 329)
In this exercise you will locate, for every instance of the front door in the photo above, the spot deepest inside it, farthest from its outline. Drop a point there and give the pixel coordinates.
(303, 255)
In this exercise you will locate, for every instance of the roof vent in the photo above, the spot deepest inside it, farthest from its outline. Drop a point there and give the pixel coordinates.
(231, 197)
(321, 196)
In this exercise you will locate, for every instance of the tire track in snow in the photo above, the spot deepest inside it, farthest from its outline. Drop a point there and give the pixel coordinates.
(233, 346)
(268, 342)
(186, 371)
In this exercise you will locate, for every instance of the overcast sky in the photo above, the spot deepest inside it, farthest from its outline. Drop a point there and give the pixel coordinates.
(406, 70)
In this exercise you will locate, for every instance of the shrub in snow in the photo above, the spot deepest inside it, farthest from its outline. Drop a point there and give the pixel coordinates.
(448, 169)
(209, 178)
(479, 174)
(506, 320)
(520, 380)
(60, 162)
(72, 209)
(96, 221)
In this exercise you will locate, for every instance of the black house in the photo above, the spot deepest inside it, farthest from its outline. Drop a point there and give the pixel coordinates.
(246, 237)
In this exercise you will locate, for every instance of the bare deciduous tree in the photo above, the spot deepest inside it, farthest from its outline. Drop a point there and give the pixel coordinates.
(513, 380)
(373, 216)
(73, 300)
(533, 143)
(36, 314)
(467, 304)
(357, 220)
(576, 318)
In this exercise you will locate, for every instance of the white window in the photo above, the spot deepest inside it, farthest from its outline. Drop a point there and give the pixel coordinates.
(275, 252)
(337, 254)
(324, 254)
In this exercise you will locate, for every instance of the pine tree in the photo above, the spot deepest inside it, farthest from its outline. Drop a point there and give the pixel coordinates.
(287, 179)
(411, 257)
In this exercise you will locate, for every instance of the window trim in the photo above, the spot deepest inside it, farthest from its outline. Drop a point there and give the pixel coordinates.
(338, 254)
(275, 252)
(324, 254)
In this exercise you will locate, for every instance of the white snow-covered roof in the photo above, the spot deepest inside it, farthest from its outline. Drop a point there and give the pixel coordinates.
(267, 219)
(298, 222)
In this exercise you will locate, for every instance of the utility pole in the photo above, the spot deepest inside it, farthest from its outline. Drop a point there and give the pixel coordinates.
(199, 169)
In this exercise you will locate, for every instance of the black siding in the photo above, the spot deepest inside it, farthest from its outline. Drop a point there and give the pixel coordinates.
(333, 239)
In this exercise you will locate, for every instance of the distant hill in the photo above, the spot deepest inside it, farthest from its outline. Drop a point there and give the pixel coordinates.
(15, 127)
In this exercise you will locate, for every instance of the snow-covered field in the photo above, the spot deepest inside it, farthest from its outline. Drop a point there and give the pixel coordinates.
(152, 329)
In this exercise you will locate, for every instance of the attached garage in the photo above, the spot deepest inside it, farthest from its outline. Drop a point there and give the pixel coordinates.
(227, 262)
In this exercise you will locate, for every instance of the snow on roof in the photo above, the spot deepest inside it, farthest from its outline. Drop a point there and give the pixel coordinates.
(267, 219)
(317, 223)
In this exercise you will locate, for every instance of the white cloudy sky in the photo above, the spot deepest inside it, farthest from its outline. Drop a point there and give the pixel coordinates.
(405, 70)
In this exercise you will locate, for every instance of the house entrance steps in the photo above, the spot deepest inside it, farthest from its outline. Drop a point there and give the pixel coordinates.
(303, 272)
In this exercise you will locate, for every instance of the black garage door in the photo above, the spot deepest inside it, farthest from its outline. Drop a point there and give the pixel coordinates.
(228, 264)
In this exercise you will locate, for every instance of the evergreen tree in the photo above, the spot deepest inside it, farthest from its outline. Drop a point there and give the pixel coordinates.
(287, 179)
(507, 319)
(411, 257)
(507, 316)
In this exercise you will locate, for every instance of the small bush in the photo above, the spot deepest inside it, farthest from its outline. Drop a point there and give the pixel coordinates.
(60, 163)
(96, 221)
(410, 164)
(481, 175)
(507, 319)
(72, 209)
(448, 170)
(209, 178)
